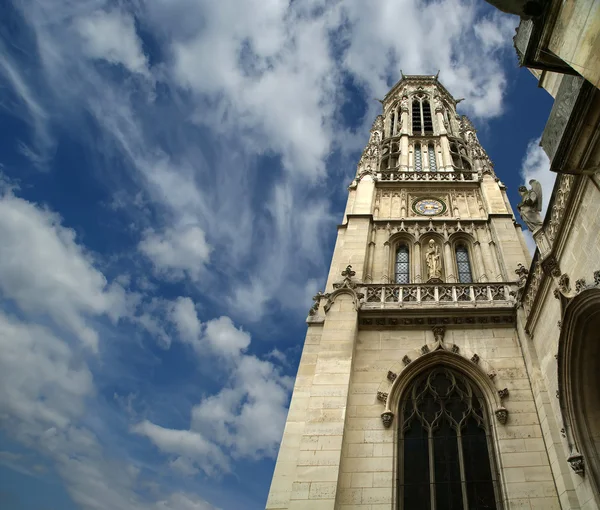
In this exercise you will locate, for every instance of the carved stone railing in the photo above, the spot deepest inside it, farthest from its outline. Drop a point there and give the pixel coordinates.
(404, 175)
(438, 295)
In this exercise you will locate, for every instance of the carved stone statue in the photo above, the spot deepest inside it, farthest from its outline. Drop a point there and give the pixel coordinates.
(531, 205)
(432, 256)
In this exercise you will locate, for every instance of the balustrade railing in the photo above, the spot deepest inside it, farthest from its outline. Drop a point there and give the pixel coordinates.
(438, 293)
(399, 175)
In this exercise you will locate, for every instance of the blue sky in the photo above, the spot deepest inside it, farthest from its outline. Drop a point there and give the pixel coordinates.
(171, 174)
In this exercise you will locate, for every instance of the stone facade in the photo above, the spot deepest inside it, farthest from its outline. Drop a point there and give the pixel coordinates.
(428, 192)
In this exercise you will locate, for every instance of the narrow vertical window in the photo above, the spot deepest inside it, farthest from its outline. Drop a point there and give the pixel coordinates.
(444, 457)
(402, 265)
(432, 162)
(416, 117)
(427, 122)
(418, 165)
(464, 265)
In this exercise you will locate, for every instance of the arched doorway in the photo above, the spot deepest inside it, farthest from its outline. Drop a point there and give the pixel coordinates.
(579, 382)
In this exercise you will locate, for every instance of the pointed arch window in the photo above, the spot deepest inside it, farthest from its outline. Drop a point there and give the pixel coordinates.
(432, 162)
(417, 119)
(417, 154)
(444, 457)
(392, 122)
(401, 270)
(463, 264)
(427, 122)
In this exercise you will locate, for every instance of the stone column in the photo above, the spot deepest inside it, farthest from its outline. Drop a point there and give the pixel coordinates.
(446, 153)
(481, 277)
(370, 257)
(417, 262)
(386, 262)
(440, 118)
(404, 153)
(449, 263)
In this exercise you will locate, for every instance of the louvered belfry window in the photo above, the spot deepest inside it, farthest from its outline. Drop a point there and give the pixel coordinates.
(444, 457)
(402, 272)
(464, 265)
(417, 120)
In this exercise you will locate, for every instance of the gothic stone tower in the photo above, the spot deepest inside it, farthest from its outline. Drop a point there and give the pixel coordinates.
(412, 391)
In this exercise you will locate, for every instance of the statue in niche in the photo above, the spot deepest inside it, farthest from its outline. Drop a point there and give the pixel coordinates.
(432, 256)
(531, 205)
(404, 103)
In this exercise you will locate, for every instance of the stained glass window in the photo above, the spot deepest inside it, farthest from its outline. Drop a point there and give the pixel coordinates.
(432, 162)
(402, 265)
(464, 265)
(444, 456)
(418, 164)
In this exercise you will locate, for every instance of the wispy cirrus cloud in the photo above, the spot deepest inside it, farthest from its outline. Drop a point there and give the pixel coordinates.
(219, 128)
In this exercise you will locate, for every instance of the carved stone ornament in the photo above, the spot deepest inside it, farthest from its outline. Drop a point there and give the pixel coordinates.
(580, 285)
(492, 375)
(381, 395)
(424, 349)
(564, 284)
(501, 415)
(455, 349)
(315, 307)
(531, 205)
(391, 376)
(577, 463)
(550, 267)
(596, 277)
(475, 359)
(503, 393)
(387, 418)
(522, 273)
(406, 360)
(438, 333)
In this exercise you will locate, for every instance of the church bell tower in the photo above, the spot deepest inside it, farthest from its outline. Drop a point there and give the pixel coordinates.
(412, 392)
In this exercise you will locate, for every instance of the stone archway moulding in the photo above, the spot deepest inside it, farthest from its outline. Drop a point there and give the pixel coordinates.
(401, 373)
(571, 357)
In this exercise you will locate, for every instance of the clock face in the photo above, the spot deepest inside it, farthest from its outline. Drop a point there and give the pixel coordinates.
(429, 207)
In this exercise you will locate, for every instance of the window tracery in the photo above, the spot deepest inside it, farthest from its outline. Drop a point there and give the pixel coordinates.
(417, 155)
(445, 461)
(422, 119)
(458, 153)
(402, 265)
(463, 264)
(432, 162)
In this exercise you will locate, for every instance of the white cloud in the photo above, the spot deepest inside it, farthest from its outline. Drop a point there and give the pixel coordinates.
(42, 384)
(244, 419)
(183, 315)
(44, 271)
(185, 443)
(177, 251)
(111, 36)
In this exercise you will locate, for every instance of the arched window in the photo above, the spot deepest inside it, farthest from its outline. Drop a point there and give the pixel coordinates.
(417, 153)
(432, 162)
(416, 118)
(402, 274)
(392, 123)
(463, 264)
(444, 457)
(427, 122)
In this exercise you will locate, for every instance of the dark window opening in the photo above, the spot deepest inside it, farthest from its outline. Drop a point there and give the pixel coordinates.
(444, 458)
